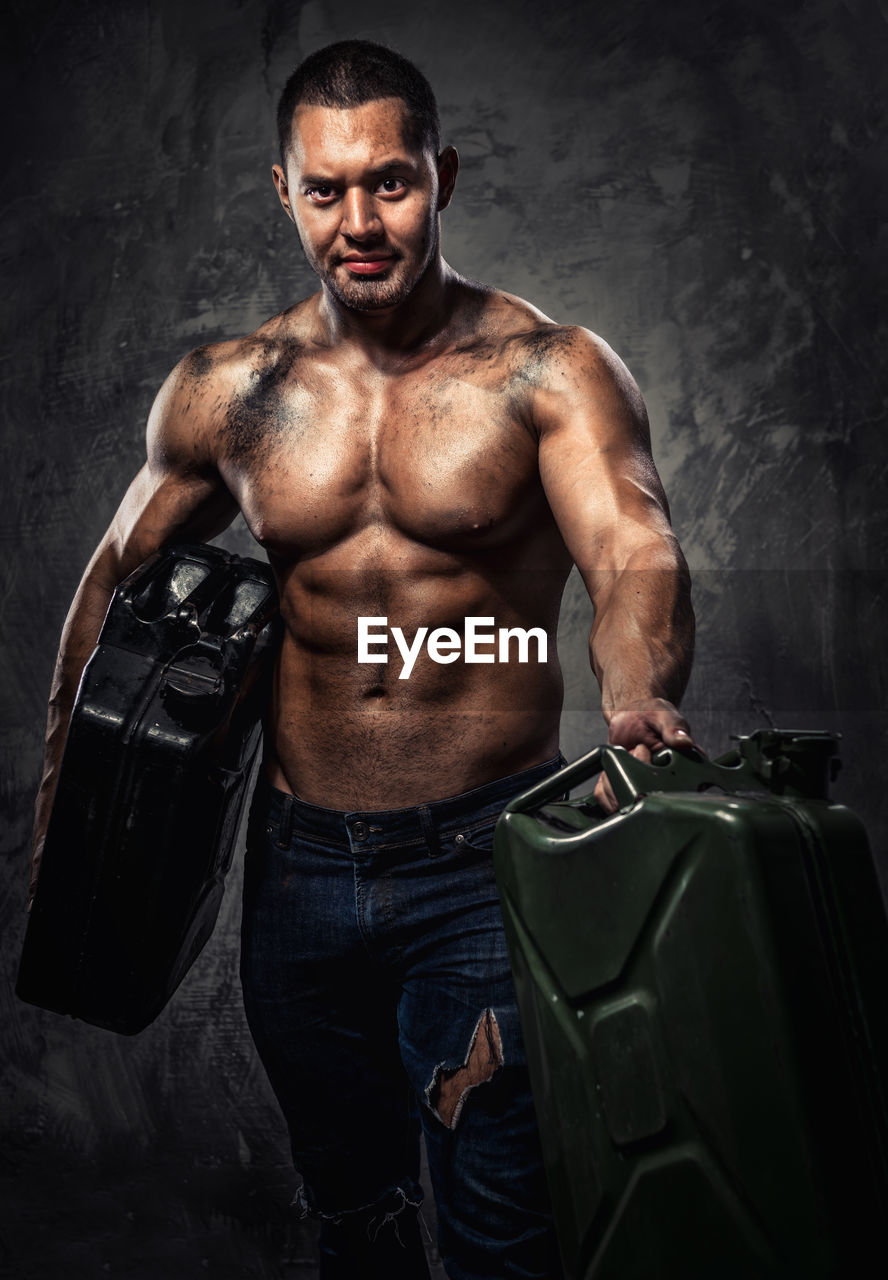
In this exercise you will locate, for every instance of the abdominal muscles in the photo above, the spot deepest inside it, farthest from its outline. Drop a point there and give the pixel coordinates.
(405, 728)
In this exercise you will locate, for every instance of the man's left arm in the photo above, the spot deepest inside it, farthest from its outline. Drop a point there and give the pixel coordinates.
(604, 491)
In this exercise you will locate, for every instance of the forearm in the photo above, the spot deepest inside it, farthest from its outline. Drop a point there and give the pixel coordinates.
(642, 639)
(79, 637)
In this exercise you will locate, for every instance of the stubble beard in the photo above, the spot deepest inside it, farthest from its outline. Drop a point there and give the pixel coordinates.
(368, 294)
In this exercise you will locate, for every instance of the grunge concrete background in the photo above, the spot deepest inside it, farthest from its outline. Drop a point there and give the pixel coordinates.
(699, 182)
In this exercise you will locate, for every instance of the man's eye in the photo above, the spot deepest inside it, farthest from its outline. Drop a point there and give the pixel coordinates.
(320, 193)
(389, 186)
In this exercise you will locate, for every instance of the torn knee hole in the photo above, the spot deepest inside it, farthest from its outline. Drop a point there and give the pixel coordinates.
(451, 1085)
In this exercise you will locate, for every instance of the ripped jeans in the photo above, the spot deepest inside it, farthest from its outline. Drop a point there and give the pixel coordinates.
(378, 991)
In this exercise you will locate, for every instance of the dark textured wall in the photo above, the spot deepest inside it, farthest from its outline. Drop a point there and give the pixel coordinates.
(698, 182)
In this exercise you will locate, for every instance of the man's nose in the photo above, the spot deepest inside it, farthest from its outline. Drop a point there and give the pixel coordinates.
(360, 219)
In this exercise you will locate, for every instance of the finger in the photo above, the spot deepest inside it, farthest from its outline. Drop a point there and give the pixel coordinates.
(642, 752)
(635, 732)
(681, 740)
(604, 795)
(675, 731)
(677, 736)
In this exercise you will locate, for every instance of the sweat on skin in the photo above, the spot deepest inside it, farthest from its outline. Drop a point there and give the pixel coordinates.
(444, 644)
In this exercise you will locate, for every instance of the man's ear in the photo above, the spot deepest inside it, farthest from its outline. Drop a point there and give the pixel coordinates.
(448, 168)
(280, 183)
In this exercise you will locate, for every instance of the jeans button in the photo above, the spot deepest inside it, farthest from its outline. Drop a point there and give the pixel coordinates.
(359, 830)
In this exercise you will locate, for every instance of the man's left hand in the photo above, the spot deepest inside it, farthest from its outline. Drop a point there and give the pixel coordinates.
(644, 727)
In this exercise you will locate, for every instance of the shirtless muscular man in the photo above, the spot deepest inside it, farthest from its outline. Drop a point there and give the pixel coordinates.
(423, 457)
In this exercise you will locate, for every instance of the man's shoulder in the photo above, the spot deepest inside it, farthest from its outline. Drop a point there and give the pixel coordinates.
(232, 365)
(532, 340)
(196, 402)
(557, 373)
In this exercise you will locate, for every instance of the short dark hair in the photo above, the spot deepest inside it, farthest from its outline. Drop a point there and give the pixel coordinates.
(352, 72)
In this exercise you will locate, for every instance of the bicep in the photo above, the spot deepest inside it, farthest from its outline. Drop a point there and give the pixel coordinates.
(596, 464)
(178, 495)
(164, 505)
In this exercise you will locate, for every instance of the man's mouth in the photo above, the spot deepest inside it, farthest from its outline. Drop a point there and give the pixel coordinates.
(368, 264)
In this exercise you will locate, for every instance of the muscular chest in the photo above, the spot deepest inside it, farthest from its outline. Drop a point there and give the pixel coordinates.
(443, 460)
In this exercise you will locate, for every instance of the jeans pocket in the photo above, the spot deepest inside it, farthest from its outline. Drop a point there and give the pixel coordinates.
(478, 838)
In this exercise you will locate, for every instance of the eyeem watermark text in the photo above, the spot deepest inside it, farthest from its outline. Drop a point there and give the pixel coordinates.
(446, 645)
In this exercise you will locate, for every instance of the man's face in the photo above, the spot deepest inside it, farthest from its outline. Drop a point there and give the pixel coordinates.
(365, 200)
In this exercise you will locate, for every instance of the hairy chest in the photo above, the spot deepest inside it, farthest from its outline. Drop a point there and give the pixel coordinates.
(442, 459)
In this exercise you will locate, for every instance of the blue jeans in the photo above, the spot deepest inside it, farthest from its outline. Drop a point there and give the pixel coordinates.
(378, 991)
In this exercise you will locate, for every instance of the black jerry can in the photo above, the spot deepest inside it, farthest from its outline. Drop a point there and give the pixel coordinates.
(702, 980)
(154, 777)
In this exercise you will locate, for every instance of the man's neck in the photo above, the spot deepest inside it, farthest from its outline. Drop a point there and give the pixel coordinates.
(400, 330)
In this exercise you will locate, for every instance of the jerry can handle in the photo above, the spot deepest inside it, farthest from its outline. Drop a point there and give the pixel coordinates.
(671, 770)
(557, 783)
(785, 761)
(631, 778)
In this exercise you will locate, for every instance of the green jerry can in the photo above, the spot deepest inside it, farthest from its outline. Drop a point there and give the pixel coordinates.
(702, 981)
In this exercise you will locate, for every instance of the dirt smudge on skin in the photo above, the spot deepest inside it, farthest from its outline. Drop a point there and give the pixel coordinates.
(262, 412)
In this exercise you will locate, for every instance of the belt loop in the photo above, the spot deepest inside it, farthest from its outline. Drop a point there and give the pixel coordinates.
(429, 831)
(285, 826)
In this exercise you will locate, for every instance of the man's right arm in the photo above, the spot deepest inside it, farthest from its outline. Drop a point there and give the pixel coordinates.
(178, 494)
